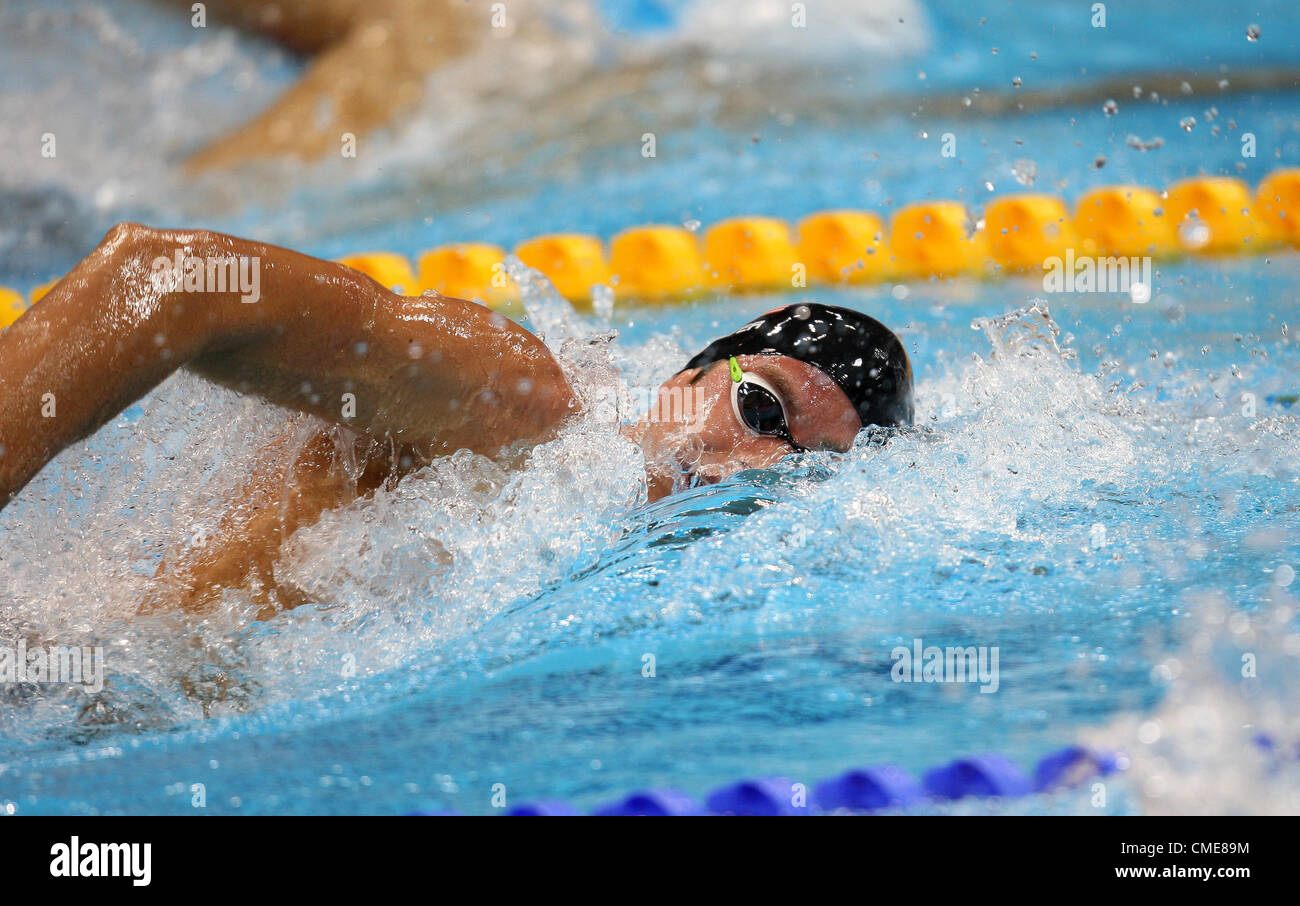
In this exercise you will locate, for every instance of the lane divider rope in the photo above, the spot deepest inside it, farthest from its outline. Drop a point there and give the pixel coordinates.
(1204, 215)
(862, 790)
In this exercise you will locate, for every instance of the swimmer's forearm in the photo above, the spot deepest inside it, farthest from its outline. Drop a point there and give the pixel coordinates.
(435, 373)
(97, 341)
(431, 373)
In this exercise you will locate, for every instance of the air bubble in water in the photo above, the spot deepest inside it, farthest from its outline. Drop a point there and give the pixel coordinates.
(1097, 536)
(1110, 108)
(1025, 171)
(691, 225)
(1134, 142)
(1187, 123)
(1252, 32)
(602, 301)
(1194, 231)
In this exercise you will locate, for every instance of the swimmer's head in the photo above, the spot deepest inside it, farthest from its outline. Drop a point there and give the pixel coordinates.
(803, 377)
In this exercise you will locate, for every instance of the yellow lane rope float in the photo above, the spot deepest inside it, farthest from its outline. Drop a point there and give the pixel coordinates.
(11, 306)
(1204, 215)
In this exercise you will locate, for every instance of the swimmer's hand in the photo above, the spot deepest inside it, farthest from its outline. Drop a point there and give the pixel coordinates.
(299, 474)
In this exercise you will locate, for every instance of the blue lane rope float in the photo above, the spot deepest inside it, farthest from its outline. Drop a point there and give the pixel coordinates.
(863, 790)
(544, 808)
(656, 803)
(980, 775)
(1074, 765)
(869, 789)
(761, 796)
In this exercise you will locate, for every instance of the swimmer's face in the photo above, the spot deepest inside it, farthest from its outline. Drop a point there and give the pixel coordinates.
(695, 437)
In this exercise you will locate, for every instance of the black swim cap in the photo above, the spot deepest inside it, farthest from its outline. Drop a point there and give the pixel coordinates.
(858, 353)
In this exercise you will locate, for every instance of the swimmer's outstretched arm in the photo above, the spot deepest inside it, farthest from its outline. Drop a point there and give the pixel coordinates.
(426, 373)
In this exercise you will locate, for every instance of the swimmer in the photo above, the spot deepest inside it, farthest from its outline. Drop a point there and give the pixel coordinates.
(368, 62)
(400, 380)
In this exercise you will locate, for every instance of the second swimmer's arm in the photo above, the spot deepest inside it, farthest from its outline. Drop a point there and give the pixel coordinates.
(435, 374)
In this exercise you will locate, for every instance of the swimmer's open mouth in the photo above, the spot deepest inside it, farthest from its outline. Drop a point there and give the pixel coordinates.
(696, 479)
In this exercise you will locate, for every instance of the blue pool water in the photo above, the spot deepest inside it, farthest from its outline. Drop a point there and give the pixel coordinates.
(1107, 492)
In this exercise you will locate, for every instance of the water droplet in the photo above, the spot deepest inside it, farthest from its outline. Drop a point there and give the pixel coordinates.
(1252, 32)
(1194, 231)
(1016, 82)
(1187, 123)
(1110, 108)
(691, 225)
(1139, 293)
(1025, 171)
(1134, 142)
(602, 301)
(1099, 162)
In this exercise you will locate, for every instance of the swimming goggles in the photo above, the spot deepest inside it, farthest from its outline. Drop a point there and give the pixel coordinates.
(757, 405)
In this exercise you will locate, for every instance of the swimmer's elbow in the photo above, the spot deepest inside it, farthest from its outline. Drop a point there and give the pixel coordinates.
(128, 239)
(540, 396)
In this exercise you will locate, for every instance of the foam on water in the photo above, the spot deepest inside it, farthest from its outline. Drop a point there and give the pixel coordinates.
(1068, 517)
